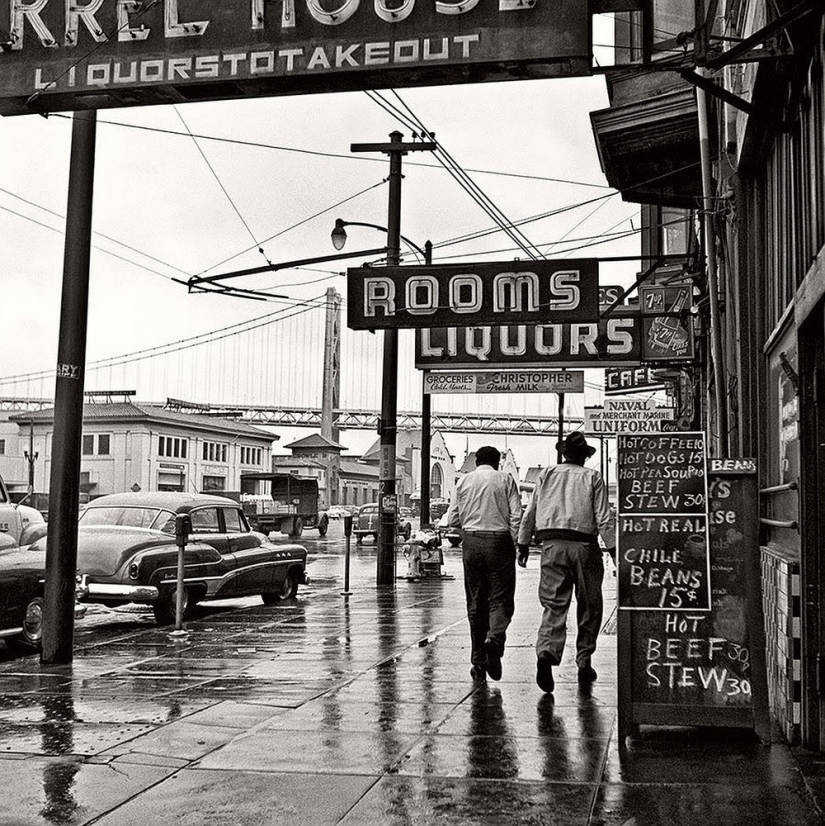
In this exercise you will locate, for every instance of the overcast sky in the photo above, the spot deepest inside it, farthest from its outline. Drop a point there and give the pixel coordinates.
(181, 206)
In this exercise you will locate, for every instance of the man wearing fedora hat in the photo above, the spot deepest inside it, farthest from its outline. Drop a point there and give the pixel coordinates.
(567, 512)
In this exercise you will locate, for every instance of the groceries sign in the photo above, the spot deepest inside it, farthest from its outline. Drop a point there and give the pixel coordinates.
(505, 381)
(509, 292)
(79, 54)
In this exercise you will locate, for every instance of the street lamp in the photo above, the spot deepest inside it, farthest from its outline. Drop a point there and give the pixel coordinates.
(339, 237)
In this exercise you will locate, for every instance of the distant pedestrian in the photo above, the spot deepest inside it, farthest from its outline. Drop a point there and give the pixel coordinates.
(568, 510)
(486, 507)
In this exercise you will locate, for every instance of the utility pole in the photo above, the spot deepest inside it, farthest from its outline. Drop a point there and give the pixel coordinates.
(388, 423)
(426, 433)
(64, 487)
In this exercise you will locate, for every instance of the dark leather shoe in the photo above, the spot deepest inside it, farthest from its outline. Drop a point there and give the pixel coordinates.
(493, 654)
(478, 674)
(587, 674)
(544, 675)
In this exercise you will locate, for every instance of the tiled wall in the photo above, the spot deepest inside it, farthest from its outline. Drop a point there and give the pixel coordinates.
(783, 626)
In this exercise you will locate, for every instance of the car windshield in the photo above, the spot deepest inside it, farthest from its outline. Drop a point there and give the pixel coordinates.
(130, 517)
(369, 509)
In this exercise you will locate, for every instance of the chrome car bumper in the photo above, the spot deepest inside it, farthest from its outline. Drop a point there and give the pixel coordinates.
(85, 590)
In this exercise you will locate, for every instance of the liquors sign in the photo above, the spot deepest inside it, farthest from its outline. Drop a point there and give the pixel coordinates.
(509, 292)
(76, 54)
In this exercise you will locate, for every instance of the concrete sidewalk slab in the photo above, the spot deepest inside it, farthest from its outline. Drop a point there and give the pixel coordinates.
(358, 710)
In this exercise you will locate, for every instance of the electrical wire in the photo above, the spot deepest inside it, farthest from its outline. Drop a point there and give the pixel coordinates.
(223, 188)
(94, 232)
(455, 171)
(95, 246)
(297, 224)
(334, 155)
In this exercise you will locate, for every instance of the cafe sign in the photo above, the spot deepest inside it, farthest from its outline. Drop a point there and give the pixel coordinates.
(83, 54)
(510, 292)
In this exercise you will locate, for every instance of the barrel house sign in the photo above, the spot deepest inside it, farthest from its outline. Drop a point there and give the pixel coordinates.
(690, 632)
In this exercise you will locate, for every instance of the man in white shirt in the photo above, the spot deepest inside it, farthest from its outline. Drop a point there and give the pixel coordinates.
(486, 507)
(569, 509)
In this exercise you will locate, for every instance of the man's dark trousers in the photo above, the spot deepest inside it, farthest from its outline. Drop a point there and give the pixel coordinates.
(489, 584)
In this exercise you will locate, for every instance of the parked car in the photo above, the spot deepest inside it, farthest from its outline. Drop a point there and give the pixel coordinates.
(365, 523)
(338, 512)
(127, 552)
(22, 579)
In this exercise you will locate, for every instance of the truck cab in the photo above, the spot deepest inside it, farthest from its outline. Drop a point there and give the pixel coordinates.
(281, 503)
(19, 523)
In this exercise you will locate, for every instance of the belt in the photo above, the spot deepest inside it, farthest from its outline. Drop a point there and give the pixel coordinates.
(486, 533)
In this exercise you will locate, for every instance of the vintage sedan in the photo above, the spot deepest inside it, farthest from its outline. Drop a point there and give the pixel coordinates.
(22, 580)
(127, 552)
(365, 523)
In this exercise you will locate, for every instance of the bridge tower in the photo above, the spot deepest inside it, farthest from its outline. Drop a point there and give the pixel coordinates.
(331, 391)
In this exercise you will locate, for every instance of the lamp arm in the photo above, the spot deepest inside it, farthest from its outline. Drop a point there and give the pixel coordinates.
(339, 222)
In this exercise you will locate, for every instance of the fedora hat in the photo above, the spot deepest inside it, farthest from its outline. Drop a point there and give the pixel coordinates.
(576, 445)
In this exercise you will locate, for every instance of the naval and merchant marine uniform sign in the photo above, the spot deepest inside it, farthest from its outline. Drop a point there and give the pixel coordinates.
(76, 54)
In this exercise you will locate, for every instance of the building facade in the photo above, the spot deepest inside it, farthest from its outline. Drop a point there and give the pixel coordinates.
(735, 131)
(128, 446)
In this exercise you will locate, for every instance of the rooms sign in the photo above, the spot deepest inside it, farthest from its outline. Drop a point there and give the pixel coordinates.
(509, 292)
(84, 54)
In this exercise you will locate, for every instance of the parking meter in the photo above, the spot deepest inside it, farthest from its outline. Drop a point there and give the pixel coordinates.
(348, 525)
(183, 527)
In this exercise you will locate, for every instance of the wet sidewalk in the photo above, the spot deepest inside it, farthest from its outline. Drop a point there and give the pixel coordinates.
(358, 710)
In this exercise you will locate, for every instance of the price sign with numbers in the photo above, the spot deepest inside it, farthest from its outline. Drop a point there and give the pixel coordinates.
(663, 562)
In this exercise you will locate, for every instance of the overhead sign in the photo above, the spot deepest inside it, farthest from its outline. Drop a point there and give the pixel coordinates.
(626, 416)
(666, 337)
(614, 342)
(631, 380)
(103, 53)
(508, 292)
(505, 381)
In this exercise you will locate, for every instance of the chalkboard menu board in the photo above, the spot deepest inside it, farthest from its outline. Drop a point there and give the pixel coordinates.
(704, 667)
(663, 561)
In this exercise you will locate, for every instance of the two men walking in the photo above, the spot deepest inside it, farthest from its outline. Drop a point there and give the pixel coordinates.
(569, 509)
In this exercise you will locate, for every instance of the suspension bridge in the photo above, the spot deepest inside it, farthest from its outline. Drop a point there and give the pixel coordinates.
(299, 367)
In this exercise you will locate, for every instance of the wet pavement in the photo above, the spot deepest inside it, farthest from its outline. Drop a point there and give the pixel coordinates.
(328, 709)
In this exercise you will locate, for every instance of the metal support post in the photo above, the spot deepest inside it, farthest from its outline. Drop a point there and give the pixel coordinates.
(426, 447)
(719, 390)
(64, 487)
(426, 431)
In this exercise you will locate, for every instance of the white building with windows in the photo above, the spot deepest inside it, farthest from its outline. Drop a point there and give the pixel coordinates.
(131, 446)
